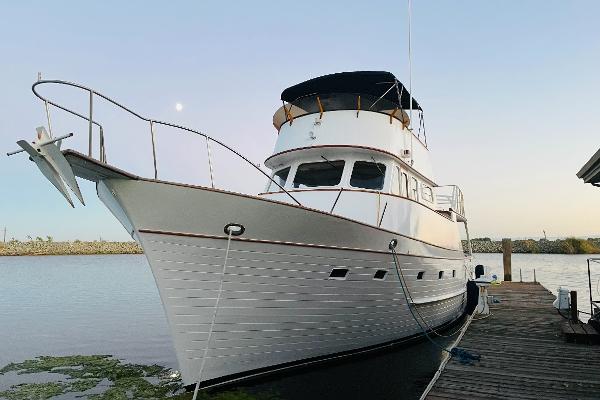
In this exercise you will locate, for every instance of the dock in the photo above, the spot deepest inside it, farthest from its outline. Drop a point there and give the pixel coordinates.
(523, 353)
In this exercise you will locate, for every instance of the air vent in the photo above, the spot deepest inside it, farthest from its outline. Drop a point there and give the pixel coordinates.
(338, 273)
(380, 274)
(420, 275)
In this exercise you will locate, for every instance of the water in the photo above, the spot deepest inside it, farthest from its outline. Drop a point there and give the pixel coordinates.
(62, 305)
(552, 271)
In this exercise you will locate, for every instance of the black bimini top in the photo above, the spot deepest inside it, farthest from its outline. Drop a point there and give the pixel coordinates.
(373, 83)
(590, 172)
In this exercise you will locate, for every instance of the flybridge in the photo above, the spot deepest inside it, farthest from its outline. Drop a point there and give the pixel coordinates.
(374, 91)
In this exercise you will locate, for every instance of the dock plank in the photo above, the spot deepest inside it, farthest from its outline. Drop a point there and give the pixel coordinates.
(523, 353)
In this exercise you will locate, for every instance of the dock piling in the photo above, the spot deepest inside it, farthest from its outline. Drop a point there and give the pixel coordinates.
(506, 254)
(574, 311)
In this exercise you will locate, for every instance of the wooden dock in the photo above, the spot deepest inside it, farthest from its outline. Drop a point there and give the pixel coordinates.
(523, 354)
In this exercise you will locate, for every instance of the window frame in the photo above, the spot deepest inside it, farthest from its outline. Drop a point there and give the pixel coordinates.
(276, 188)
(414, 191)
(425, 187)
(299, 164)
(385, 174)
(404, 185)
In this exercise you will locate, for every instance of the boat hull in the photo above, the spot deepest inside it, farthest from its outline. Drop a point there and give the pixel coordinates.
(278, 304)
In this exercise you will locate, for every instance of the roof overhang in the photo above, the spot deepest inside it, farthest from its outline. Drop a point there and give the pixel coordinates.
(374, 83)
(590, 172)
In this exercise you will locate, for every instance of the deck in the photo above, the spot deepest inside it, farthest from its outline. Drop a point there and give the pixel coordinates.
(523, 355)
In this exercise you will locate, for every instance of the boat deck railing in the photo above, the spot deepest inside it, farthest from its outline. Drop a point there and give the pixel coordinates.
(322, 103)
(450, 197)
(152, 123)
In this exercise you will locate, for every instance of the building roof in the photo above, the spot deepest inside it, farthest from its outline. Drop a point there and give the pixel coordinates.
(374, 83)
(590, 172)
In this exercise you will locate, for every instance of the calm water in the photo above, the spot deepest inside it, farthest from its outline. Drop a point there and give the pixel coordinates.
(61, 305)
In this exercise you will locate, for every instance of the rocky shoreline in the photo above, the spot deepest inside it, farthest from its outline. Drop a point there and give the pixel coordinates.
(558, 246)
(46, 248)
(480, 245)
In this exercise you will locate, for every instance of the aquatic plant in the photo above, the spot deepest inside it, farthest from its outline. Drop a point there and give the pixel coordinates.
(83, 373)
(103, 377)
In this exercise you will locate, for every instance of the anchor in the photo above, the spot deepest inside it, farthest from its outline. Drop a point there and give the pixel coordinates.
(45, 153)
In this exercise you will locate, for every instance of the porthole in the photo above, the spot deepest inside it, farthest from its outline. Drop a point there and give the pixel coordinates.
(338, 273)
(380, 274)
(420, 274)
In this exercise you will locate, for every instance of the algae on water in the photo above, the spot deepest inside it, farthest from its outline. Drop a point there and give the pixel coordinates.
(85, 373)
(102, 377)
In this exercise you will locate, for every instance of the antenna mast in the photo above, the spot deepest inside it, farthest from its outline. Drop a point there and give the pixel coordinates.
(410, 63)
(410, 81)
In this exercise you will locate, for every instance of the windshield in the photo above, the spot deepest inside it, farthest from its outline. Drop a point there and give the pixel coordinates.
(367, 175)
(280, 177)
(326, 173)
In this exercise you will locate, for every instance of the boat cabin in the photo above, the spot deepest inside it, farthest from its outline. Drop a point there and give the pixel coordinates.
(345, 146)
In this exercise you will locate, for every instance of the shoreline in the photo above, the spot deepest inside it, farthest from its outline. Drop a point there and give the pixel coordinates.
(480, 245)
(541, 246)
(75, 248)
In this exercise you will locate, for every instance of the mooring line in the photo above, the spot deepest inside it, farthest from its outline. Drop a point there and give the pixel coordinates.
(447, 358)
(214, 316)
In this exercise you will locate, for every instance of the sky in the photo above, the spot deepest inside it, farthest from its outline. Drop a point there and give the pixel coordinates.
(510, 91)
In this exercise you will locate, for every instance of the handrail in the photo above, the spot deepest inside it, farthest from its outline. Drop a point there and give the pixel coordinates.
(362, 104)
(455, 199)
(152, 122)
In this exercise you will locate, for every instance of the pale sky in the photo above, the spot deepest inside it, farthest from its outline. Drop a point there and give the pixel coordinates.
(509, 88)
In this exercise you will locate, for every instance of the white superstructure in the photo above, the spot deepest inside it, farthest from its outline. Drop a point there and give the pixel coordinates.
(302, 271)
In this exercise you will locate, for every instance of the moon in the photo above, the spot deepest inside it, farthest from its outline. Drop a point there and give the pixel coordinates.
(178, 107)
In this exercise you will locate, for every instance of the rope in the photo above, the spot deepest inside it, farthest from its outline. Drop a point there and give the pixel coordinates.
(429, 328)
(462, 355)
(214, 316)
(446, 359)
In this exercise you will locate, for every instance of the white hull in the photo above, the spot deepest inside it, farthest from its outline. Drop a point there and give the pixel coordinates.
(278, 304)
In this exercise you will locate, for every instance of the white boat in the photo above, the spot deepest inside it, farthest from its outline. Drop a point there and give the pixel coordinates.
(304, 271)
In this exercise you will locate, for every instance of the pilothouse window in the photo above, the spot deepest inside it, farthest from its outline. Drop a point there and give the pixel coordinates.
(367, 175)
(280, 177)
(326, 173)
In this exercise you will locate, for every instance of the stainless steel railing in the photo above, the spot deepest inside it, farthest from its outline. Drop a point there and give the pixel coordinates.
(102, 150)
(450, 196)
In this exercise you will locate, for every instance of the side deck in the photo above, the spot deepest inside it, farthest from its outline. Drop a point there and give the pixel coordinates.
(523, 355)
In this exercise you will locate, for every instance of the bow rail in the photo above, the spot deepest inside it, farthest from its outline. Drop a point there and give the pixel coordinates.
(102, 151)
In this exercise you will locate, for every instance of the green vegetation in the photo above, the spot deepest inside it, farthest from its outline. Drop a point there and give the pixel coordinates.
(580, 246)
(558, 246)
(102, 377)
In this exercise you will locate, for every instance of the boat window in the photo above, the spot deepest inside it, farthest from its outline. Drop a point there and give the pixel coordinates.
(338, 273)
(380, 274)
(440, 274)
(326, 173)
(414, 189)
(396, 187)
(404, 185)
(427, 194)
(454, 273)
(420, 274)
(280, 177)
(367, 175)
